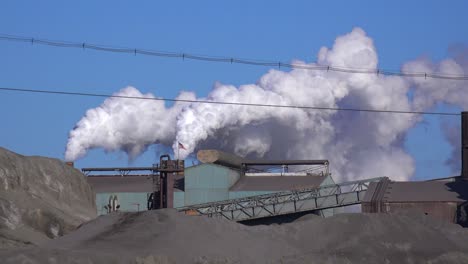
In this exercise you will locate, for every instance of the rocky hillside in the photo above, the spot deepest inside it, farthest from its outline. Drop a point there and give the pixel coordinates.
(40, 198)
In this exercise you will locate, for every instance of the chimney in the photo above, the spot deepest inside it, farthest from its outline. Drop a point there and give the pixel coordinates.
(70, 163)
(464, 145)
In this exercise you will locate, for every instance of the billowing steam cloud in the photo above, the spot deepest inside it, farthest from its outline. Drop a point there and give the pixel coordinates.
(125, 124)
(358, 144)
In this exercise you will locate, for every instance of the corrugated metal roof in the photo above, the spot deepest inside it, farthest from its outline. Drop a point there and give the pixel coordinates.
(104, 184)
(429, 191)
(276, 183)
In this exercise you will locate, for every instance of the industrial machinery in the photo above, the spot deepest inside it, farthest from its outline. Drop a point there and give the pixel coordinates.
(162, 175)
(287, 202)
(258, 188)
(162, 181)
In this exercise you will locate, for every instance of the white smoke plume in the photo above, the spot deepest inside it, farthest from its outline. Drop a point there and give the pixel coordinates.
(125, 124)
(358, 144)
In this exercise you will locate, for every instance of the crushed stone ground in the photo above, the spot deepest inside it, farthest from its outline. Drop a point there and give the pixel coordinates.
(167, 236)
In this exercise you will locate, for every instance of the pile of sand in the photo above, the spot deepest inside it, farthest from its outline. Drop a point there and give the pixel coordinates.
(40, 198)
(166, 236)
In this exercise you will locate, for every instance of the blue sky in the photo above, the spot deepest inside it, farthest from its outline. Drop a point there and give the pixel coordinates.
(273, 30)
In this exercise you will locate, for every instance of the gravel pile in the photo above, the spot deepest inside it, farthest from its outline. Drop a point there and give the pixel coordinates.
(40, 199)
(166, 236)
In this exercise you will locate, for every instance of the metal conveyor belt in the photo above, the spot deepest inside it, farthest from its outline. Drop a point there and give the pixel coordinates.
(282, 203)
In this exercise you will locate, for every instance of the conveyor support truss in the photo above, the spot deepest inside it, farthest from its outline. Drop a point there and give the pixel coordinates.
(282, 203)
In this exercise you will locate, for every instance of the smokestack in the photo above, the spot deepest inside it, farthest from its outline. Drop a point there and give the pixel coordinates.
(464, 146)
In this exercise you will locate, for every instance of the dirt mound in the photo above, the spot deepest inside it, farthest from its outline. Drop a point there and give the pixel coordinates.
(40, 198)
(166, 236)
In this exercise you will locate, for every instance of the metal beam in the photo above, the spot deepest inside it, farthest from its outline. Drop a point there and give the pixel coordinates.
(118, 175)
(283, 162)
(464, 145)
(124, 171)
(120, 169)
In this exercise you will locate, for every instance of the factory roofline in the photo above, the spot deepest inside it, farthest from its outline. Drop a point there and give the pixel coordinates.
(120, 169)
(213, 164)
(451, 178)
(284, 162)
(231, 160)
(427, 191)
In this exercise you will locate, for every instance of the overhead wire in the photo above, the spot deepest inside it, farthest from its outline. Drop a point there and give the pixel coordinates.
(232, 60)
(196, 101)
(184, 56)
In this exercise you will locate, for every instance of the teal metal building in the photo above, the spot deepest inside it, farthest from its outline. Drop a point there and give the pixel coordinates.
(131, 191)
(204, 183)
(209, 182)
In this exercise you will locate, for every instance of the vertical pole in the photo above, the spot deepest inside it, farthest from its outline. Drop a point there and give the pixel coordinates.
(164, 200)
(464, 145)
(163, 190)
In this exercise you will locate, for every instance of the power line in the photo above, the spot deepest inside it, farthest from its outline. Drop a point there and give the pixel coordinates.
(232, 60)
(228, 103)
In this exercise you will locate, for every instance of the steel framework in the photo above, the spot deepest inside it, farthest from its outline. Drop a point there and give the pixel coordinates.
(160, 174)
(125, 171)
(281, 203)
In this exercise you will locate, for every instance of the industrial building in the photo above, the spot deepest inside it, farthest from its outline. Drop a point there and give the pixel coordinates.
(132, 191)
(225, 185)
(223, 178)
(444, 198)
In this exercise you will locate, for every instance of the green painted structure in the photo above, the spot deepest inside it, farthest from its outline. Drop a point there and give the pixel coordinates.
(131, 192)
(128, 201)
(203, 183)
(208, 182)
